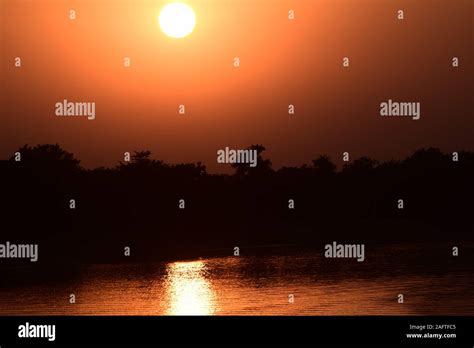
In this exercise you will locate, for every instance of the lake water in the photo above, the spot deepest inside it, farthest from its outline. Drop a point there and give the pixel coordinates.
(263, 285)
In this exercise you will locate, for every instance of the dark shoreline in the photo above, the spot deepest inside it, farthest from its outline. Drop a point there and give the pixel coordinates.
(179, 211)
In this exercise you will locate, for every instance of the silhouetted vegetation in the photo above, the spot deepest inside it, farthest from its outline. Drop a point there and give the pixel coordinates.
(136, 204)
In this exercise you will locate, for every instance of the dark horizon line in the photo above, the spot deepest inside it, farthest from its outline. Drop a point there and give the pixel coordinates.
(144, 156)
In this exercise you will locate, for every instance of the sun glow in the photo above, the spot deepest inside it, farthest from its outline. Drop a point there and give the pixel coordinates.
(177, 20)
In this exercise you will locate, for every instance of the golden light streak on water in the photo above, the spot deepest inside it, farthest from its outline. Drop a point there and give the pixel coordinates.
(187, 289)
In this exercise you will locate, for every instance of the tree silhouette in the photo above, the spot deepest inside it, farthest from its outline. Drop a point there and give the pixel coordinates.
(361, 165)
(141, 162)
(141, 157)
(48, 156)
(323, 165)
(140, 198)
(264, 166)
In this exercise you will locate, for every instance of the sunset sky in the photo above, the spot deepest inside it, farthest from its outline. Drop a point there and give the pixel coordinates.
(282, 62)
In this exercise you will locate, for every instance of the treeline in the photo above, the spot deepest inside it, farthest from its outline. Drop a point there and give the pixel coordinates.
(140, 203)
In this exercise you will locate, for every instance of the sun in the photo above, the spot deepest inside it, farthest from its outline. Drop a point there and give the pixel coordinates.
(177, 20)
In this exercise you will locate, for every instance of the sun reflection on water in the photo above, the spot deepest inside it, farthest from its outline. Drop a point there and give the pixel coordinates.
(188, 289)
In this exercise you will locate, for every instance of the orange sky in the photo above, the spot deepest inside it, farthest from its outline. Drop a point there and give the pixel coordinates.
(282, 62)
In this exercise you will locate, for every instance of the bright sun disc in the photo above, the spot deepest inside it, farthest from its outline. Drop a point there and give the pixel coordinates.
(177, 20)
